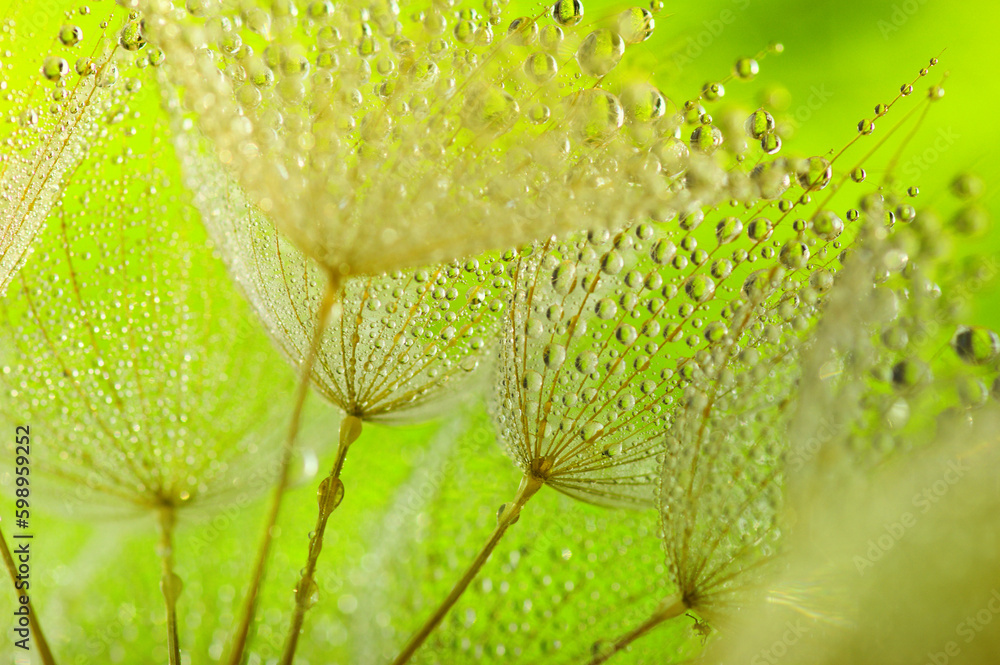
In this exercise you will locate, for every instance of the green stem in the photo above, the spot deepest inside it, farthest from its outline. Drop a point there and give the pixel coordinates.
(239, 640)
(170, 583)
(329, 496)
(669, 609)
(511, 512)
(36, 629)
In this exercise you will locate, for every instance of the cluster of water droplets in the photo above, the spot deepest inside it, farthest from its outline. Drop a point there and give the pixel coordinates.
(611, 337)
(60, 87)
(378, 139)
(898, 364)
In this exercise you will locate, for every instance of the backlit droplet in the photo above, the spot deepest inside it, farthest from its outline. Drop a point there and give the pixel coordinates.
(131, 38)
(308, 592)
(794, 255)
(817, 173)
(643, 103)
(553, 355)
(491, 109)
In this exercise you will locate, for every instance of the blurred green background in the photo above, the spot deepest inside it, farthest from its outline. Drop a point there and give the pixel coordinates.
(421, 499)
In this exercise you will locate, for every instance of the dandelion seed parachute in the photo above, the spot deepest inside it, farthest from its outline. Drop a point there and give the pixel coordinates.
(127, 346)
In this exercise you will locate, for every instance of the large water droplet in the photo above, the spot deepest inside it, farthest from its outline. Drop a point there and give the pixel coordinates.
(600, 51)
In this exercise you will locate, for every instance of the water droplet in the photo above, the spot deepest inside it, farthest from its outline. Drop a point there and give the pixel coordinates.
(131, 37)
(564, 278)
(586, 362)
(794, 255)
(329, 495)
(699, 288)
(597, 115)
(643, 103)
(770, 144)
(759, 124)
(636, 25)
(568, 12)
(817, 173)
(308, 592)
(606, 309)
(746, 69)
(760, 229)
(612, 263)
(70, 35)
(54, 68)
(706, 138)
(553, 355)
(541, 67)
(523, 31)
(976, 345)
(600, 51)
(490, 109)
(827, 225)
(728, 229)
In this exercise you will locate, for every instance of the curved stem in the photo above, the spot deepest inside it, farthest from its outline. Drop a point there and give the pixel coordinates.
(329, 496)
(170, 583)
(510, 514)
(44, 653)
(671, 608)
(330, 298)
